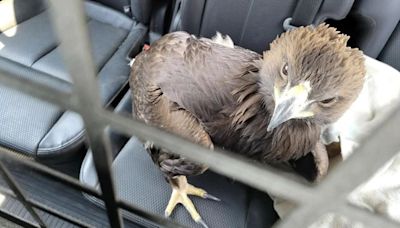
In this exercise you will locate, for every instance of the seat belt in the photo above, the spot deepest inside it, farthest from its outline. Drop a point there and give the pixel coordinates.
(304, 14)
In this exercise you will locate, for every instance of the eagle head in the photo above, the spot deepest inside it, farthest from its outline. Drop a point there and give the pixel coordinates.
(310, 73)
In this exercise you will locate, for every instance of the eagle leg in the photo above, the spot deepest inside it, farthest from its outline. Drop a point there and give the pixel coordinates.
(180, 191)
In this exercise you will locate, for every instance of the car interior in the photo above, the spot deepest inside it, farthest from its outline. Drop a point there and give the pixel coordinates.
(118, 30)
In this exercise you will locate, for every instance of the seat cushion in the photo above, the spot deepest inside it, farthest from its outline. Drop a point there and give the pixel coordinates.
(140, 182)
(31, 50)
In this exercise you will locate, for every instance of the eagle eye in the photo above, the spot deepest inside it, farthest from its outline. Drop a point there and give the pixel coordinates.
(284, 70)
(328, 102)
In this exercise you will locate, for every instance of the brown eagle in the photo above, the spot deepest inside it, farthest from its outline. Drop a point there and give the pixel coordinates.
(270, 107)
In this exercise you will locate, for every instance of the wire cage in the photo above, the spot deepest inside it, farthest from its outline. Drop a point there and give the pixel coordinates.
(312, 201)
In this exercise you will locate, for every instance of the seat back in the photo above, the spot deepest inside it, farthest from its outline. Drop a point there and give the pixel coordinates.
(374, 28)
(251, 24)
(391, 52)
(371, 24)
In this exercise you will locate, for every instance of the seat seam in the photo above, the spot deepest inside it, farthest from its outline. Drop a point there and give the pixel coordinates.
(124, 40)
(249, 199)
(17, 148)
(388, 40)
(68, 143)
(47, 132)
(114, 51)
(51, 49)
(83, 171)
(24, 149)
(203, 12)
(44, 53)
(107, 103)
(37, 70)
(246, 21)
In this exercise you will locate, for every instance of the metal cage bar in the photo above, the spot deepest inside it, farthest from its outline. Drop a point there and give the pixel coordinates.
(17, 220)
(20, 195)
(49, 210)
(85, 100)
(79, 62)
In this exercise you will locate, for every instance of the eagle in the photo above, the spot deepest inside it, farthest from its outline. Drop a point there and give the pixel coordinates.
(270, 108)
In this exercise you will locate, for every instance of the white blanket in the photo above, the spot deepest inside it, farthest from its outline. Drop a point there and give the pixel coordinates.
(381, 194)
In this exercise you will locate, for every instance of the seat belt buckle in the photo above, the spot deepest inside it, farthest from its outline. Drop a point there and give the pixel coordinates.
(287, 24)
(127, 9)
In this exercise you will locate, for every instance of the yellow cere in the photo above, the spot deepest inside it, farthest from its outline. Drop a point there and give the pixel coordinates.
(301, 89)
(277, 93)
(298, 90)
(305, 114)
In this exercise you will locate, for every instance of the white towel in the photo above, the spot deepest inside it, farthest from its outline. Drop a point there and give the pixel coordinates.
(381, 194)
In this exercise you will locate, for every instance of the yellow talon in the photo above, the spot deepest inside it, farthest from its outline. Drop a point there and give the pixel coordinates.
(196, 191)
(173, 201)
(180, 191)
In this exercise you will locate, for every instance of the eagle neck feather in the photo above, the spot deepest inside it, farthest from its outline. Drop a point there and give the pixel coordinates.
(247, 96)
(250, 119)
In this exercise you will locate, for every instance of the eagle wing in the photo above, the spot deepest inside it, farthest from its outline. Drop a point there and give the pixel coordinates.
(154, 107)
(181, 84)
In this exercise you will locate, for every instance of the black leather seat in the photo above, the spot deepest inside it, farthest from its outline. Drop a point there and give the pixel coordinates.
(29, 48)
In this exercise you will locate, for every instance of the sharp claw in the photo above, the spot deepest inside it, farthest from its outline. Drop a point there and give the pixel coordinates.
(202, 223)
(211, 197)
(166, 214)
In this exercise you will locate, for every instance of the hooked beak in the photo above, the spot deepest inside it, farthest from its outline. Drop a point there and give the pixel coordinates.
(290, 104)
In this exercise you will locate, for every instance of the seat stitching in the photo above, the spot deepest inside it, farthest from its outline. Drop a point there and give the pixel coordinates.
(114, 51)
(246, 21)
(16, 148)
(249, 198)
(203, 12)
(51, 49)
(122, 43)
(46, 52)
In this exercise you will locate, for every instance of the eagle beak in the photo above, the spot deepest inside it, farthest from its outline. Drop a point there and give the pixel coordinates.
(290, 104)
